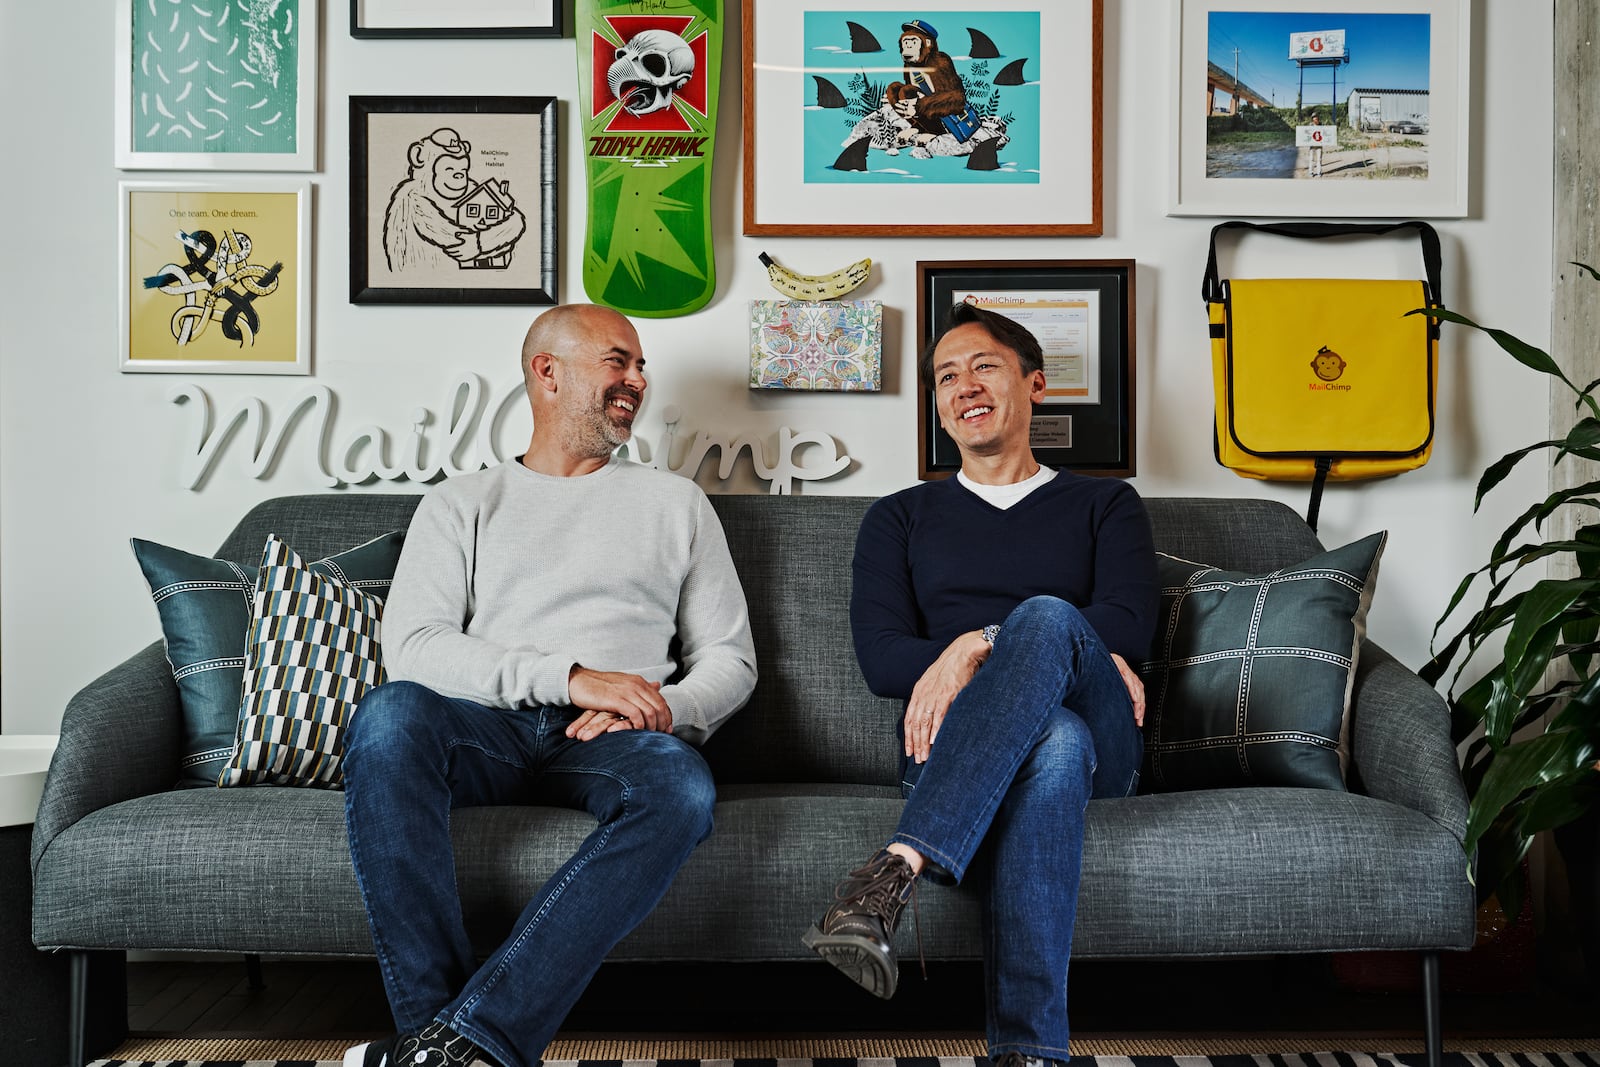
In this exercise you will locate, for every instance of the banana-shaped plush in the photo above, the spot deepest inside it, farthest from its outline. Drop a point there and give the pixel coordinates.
(829, 286)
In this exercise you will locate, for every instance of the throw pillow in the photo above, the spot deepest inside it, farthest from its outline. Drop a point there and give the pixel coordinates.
(311, 654)
(1251, 676)
(205, 606)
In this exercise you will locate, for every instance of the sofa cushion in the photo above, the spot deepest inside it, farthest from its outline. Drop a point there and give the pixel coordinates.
(1249, 683)
(311, 654)
(205, 607)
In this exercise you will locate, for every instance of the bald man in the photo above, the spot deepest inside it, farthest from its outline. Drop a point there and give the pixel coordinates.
(528, 641)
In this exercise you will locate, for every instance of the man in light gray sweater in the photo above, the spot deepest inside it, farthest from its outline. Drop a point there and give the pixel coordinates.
(527, 638)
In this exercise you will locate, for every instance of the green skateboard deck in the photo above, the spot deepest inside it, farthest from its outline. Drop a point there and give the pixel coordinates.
(647, 79)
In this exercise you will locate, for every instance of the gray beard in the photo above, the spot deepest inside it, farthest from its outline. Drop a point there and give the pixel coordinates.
(595, 435)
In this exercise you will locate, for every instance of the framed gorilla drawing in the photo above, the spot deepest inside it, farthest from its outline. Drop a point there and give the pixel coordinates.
(922, 117)
(453, 200)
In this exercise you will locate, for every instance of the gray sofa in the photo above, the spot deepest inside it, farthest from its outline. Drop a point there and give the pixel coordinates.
(808, 778)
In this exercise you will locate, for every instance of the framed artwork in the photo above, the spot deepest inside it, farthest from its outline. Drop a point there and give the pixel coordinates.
(1082, 312)
(215, 277)
(453, 199)
(1331, 109)
(455, 18)
(222, 86)
(927, 118)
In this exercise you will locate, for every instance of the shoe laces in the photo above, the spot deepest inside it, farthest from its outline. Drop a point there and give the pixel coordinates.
(879, 885)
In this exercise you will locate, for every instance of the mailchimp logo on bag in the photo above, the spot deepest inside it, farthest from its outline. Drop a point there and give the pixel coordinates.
(1328, 365)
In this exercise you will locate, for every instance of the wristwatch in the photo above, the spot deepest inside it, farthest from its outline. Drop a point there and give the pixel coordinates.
(991, 632)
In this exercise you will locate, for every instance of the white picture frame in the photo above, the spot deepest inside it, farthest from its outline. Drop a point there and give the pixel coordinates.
(1372, 176)
(200, 294)
(456, 18)
(237, 96)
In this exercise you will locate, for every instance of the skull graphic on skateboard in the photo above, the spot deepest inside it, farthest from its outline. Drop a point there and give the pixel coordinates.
(647, 79)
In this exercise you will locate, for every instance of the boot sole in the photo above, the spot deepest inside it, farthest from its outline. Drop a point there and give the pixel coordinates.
(860, 959)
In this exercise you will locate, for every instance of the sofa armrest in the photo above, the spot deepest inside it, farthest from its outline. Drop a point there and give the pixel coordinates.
(120, 738)
(1402, 752)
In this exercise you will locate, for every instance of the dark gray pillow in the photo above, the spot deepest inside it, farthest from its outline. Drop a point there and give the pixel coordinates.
(1250, 680)
(205, 607)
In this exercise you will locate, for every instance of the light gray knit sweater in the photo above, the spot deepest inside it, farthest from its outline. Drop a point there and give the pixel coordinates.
(510, 577)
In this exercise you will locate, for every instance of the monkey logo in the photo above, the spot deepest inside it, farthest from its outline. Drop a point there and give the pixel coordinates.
(439, 218)
(1327, 364)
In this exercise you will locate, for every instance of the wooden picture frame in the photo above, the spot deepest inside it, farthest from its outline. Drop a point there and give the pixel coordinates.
(1083, 312)
(200, 87)
(453, 200)
(215, 277)
(455, 18)
(1020, 154)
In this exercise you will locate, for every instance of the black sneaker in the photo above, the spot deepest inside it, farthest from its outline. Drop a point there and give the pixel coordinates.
(856, 934)
(435, 1045)
(1018, 1059)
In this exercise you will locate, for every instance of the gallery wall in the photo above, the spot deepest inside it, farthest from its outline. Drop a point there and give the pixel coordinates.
(90, 456)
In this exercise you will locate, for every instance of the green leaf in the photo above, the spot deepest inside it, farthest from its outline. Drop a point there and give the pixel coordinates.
(1518, 767)
(1500, 856)
(1560, 800)
(1520, 350)
(1496, 472)
(1595, 274)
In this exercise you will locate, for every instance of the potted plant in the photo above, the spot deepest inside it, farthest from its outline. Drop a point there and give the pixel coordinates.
(1531, 734)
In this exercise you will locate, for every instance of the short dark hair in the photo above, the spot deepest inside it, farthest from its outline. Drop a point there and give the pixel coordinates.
(1006, 331)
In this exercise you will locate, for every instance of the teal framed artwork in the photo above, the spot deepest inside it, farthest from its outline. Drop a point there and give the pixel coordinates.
(923, 117)
(224, 85)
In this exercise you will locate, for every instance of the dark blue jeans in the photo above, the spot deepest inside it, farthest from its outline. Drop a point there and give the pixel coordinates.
(1044, 725)
(411, 757)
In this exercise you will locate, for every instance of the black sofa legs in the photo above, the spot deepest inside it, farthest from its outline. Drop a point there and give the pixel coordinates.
(77, 1009)
(1432, 1032)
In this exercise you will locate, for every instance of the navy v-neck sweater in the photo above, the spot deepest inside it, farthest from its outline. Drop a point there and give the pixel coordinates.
(935, 561)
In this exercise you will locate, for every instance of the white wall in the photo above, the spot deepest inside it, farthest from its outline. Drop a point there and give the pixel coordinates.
(89, 456)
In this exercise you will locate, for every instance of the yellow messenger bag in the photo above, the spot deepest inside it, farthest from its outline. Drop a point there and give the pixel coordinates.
(1323, 379)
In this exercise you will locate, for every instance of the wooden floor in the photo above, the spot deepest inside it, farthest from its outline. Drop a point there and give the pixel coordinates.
(1290, 995)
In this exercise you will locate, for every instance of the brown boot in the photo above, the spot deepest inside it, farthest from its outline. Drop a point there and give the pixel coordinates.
(856, 934)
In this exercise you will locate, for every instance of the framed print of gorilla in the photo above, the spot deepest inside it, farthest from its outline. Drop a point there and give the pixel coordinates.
(453, 200)
(860, 121)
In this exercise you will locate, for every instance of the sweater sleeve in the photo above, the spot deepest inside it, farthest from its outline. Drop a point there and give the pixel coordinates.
(884, 620)
(718, 655)
(425, 620)
(1126, 591)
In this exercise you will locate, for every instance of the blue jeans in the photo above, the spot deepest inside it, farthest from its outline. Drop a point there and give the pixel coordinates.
(411, 757)
(1044, 725)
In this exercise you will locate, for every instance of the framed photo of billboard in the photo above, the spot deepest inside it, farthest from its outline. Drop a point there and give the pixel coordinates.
(455, 18)
(210, 87)
(215, 277)
(1082, 312)
(453, 199)
(922, 117)
(1355, 108)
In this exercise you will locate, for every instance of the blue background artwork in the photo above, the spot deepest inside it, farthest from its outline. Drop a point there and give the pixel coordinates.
(861, 76)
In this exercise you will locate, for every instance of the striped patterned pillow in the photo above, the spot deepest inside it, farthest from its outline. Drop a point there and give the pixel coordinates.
(1250, 680)
(311, 653)
(204, 605)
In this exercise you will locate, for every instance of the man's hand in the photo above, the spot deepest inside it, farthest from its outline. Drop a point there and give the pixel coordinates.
(1135, 687)
(937, 688)
(612, 700)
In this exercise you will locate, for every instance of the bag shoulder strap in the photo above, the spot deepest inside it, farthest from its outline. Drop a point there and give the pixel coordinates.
(1211, 284)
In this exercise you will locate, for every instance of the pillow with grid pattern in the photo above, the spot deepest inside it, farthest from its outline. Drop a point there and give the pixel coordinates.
(1250, 680)
(205, 606)
(311, 653)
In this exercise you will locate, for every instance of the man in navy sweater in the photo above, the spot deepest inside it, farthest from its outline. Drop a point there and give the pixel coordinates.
(1004, 606)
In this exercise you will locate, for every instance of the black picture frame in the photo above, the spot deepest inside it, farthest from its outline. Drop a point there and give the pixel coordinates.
(1097, 427)
(460, 27)
(489, 127)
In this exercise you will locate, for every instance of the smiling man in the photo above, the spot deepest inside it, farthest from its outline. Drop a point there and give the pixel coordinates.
(529, 638)
(1004, 606)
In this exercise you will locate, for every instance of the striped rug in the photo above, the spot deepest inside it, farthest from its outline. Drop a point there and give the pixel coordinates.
(1112, 1051)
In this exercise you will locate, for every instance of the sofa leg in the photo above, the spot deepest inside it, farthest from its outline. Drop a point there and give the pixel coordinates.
(252, 972)
(77, 1009)
(1432, 1031)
